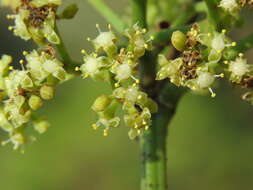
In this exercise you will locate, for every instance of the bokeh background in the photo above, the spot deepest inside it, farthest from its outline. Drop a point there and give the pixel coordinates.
(210, 143)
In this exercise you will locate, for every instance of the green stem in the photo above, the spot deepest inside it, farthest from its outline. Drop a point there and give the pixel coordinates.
(62, 50)
(213, 12)
(69, 64)
(139, 8)
(108, 14)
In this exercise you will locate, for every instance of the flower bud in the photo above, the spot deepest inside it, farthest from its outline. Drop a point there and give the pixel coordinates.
(41, 126)
(101, 103)
(47, 92)
(35, 102)
(69, 12)
(178, 39)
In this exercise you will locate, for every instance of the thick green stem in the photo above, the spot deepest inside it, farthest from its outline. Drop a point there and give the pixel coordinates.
(62, 50)
(108, 14)
(139, 8)
(69, 64)
(213, 13)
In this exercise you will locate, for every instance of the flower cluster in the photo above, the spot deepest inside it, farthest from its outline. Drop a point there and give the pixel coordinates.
(34, 19)
(203, 59)
(233, 6)
(118, 66)
(23, 91)
(201, 54)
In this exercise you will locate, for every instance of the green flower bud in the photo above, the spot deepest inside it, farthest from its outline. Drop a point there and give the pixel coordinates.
(41, 126)
(101, 103)
(35, 102)
(47, 92)
(69, 12)
(178, 39)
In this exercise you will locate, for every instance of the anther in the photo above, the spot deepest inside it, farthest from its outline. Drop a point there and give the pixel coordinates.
(98, 28)
(94, 126)
(11, 68)
(10, 28)
(223, 31)
(21, 61)
(233, 44)
(77, 69)
(213, 95)
(24, 53)
(116, 84)
(105, 132)
(83, 51)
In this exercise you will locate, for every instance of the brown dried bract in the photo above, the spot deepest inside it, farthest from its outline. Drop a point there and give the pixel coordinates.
(244, 3)
(49, 49)
(188, 71)
(247, 82)
(38, 15)
(191, 36)
(191, 56)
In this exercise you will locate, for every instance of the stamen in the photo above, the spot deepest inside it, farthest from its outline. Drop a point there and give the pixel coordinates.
(83, 52)
(212, 93)
(109, 26)
(94, 126)
(105, 132)
(240, 54)
(10, 28)
(117, 84)
(98, 28)
(24, 53)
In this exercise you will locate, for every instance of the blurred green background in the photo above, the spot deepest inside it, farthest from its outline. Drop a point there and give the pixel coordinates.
(209, 145)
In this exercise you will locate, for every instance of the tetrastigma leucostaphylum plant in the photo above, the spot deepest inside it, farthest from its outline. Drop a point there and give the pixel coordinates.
(151, 59)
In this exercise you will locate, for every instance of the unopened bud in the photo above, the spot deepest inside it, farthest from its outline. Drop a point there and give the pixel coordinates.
(101, 103)
(47, 92)
(178, 39)
(35, 102)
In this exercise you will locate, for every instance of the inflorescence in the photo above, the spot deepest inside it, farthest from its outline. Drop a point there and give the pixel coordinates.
(201, 62)
(119, 67)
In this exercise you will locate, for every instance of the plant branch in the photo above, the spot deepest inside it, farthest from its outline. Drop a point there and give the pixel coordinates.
(69, 64)
(108, 14)
(213, 12)
(139, 8)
